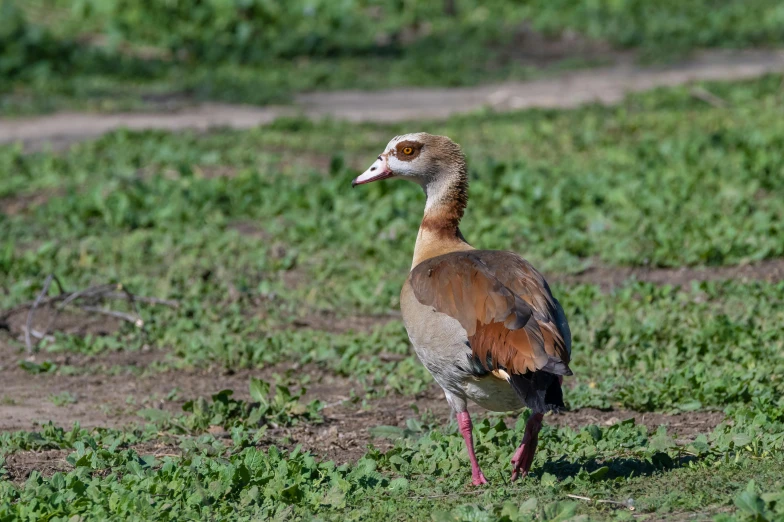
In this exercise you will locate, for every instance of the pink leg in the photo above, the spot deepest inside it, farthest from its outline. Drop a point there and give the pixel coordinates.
(464, 421)
(524, 456)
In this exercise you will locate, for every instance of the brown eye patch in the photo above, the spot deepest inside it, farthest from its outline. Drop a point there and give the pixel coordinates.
(407, 150)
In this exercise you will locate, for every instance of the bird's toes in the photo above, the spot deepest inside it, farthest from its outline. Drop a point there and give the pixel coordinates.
(518, 456)
(479, 480)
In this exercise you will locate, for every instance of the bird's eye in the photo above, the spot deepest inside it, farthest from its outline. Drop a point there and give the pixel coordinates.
(408, 151)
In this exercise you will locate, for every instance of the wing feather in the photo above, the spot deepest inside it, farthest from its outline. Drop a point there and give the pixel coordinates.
(506, 307)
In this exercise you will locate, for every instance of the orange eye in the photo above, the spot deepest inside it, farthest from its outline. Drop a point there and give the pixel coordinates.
(408, 151)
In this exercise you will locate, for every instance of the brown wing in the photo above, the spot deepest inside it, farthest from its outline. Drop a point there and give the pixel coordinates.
(505, 306)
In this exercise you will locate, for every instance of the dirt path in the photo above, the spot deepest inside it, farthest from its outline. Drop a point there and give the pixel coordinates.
(609, 277)
(605, 85)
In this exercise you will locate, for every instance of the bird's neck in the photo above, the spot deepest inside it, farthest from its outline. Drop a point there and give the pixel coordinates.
(439, 233)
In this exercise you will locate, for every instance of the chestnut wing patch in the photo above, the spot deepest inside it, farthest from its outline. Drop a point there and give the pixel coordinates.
(505, 306)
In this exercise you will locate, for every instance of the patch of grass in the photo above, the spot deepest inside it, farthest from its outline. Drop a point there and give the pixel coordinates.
(36, 368)
(768, 506)
(129, 54)
(636, 184)
(62, 399)
(639, 184)
(665, 28)
(277, 264)
(652, 348)
(621, 462)
(56, 437)
(277, 406)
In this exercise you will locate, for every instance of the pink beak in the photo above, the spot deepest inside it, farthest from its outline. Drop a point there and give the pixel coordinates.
(378, 170)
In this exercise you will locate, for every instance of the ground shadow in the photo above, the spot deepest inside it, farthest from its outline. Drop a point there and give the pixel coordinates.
(619, 467)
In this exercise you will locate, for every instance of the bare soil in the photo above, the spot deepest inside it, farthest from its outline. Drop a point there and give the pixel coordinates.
(108, 389)
(605, 85)
(329, 322)
(111, 387)
(112, 398)
(771, 270)
(682, 425)
(345, 436)
(20, 464)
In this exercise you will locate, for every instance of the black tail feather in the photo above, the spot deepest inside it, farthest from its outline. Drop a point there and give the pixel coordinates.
(541, 391)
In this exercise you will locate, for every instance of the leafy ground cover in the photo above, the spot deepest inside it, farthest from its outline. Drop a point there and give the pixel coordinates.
(416, 479)
(286, 287)
(127, 54)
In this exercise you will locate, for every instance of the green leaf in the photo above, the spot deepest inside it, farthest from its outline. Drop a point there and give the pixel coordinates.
(558, 511)
(741, 440)
(529, 505)
(154, 415)
(597, 475)
(414, 425)
(777, 497)
(662, 460)
(661, 441)
(33, 368)
(335, 498)
(442, 516)
(387, 432)
(254, 417)
(548, 480)
(291, 493)
(700, 445)
(693, 405)
(509, 511)
(398, 485)
(259, 391)
(749, 502)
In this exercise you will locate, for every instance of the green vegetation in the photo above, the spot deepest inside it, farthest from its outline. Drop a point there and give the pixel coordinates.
(229, 479)
(126, 54)
(665, 27)
(663, 180)
(280, 268)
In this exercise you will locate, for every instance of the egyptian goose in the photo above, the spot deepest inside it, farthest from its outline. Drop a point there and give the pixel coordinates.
(483, 322)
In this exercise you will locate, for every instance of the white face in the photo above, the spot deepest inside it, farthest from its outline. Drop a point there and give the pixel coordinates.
(401, 158)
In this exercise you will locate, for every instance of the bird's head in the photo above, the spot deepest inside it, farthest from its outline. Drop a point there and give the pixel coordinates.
(420, 157)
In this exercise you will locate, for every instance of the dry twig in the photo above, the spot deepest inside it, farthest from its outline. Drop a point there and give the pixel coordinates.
(603, 501)
(88, 298)
(708, 97)
(448, 495)
(31, 313)
(134, 320)
(40, 335)
(143, 299)
(338, 403)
